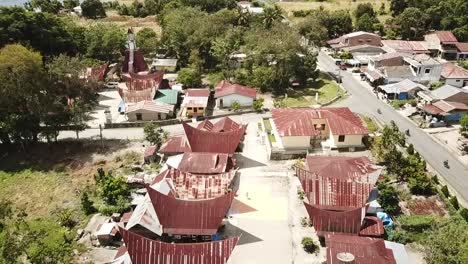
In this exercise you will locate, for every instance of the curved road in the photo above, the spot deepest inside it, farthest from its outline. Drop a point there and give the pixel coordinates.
(362, 100)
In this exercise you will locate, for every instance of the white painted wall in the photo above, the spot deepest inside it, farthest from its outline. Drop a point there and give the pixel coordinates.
(456, 82)
(301, 142)
(350, 141)
(229, 99)
(146, 116)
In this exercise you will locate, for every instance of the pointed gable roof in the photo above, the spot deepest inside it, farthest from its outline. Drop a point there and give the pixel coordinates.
(214, 142)
(227, 88)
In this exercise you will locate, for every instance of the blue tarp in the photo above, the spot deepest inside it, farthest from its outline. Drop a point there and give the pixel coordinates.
(215, 237)
(121, 107)
(386, 219)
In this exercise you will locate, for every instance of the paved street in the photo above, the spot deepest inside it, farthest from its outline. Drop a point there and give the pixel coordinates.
(363, 101)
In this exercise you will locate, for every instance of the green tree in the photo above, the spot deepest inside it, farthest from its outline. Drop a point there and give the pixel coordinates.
(111, 188)
(412, 22)
(397, 6)
(224, 46)
(464, 124)
(363, 9)
(86, 204)
(189, 78)
(388, 198)
(49, 6)
(93, 9)
(271, 15)
(313, 30)
(420, 184)
(366, 23)
(70, 4)
(147, 41)
(258, 104)
(154, 134)
(196, 61)
(337, 22)
(106, 42)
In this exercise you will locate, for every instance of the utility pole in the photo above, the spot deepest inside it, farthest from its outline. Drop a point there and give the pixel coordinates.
(100, 135)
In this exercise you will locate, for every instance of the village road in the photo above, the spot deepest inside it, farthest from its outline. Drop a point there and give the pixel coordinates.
(363, 101)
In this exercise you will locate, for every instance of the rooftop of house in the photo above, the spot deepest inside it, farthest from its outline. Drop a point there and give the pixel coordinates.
(214, 142)
(150, 106)
(175, 145)
(223, 125)
(447, 91)
(224, 88)
(167, 96)
(443, 107)
(401, 72)
(420, 59)
(298, 121)
(451, 70)
(406, 46)
(462, 46)
(402, 87)
(165, 62)
(445, 36)
(198, 92)
(388, 56)
(203, 163)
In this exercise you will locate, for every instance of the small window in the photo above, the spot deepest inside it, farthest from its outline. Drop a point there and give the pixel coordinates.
(189, 108)
(341, 138)
(323, 126)
(200, 108)
(457, 80)
(315, 126)
(428, 70)
(139, 117)
(195, 109)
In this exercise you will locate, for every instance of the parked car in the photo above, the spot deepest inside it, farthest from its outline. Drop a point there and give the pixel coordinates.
(112, 85)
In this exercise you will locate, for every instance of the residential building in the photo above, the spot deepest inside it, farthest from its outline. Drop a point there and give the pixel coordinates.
(168, 65)
(442, 44)
(462, 50)
(445, 110)
(451, 94)
(149, 111)
(425, 69)
(364, 53)
(195, 102)
(403, 90)
(226, 93)
(385, 60)
(405, 47)
(306, 128)
(167, 96)
(355, 39)
(454, 75)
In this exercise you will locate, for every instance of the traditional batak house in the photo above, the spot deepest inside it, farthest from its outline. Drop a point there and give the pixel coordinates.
(337, 190)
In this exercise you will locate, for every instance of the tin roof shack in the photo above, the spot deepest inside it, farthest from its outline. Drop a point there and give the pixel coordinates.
(454, 75)
(405, 47)
(355, 39)
(445, 110)
(337, 190)
(442, 44)
(451, 94)
(226, 93)
(149, 111)
(304, 128)
(108, 234)
(168, 65)
(362, 250)
(403, 90)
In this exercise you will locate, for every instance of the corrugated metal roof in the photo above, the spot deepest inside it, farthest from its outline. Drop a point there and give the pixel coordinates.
(334, 193)
(298, 121)
(198, 92)
(143, 250)
(359, 169)
(139, 82)
(445, 36)
(431, 109)
(447, 106)
(151, 106)
(372, 227)
(406, 46)
(204, 163)
(167, 96)
(190, 217)
(139, 64)
(227, 88)
(98, 73)
(214, 142)
(446, 91)
(329, 221)
(145, 216)
(175, 145)
(225, 124)
(462, 46)
(451, 70)
(205, 125)
(402, 87)
(388, 56)
(364, 249)
(134, 96)
(149, 151)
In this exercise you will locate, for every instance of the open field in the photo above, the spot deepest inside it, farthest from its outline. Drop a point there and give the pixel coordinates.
(137, 23)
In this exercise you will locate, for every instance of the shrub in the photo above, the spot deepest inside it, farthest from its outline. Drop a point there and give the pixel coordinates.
(388, 199)
(420, 184)
(464, 213)
(235, 106)
(410, 149)
(309, 245)
(121, 206)
(65, 218)
(87, 204)
(454, 202)
(189, 78)
(416, 223)
(397, 236)
(258, 104)
(445, 191)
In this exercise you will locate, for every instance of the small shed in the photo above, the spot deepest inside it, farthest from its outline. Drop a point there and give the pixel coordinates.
(403, 90)
(108, 233)
(167, 96)
(149, 111)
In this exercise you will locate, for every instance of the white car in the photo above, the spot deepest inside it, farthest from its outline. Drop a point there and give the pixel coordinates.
(112, 85)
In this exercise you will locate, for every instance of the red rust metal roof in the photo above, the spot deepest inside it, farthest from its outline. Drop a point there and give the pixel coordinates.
(138, 82)
(143, 250)
(462, 46)
(298, 121)
(372, 227)
(227, 88)
(205, 125)
(175, 145)
(451, 70)
(198, 92)
(446, 36)
(333, 193)
(432, 109)
(364, 249)
(98, 73)
(149, 151)
(326, 221)
(214, 142)
(139, 64)
(204, 163)
(225, 124)
(184, 217)
(358, 169)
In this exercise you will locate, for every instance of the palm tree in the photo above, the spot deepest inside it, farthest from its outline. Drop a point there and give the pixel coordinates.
(270, 15)
(243, 17)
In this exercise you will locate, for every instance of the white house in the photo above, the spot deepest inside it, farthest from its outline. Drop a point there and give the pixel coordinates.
(329, 128)
(454, 75)
(149, 111)
(227, 93)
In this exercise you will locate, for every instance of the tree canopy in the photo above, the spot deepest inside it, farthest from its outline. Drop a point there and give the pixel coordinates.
(92, 9)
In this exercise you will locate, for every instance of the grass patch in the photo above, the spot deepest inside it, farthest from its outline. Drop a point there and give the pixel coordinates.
(370, 124)
(397, 104)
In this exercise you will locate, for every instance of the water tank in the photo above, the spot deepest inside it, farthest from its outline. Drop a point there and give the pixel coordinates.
(345, 257)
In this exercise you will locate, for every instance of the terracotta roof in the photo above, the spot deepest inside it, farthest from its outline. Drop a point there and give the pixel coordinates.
(203, 163)
(451, 70)
(298, 121)
(364, 249)
(372, 227)
(331, 221)
(358, 169)
(143, 250)
(226, 88)
(149, 151)
(333, 192)
(445, 36)
(214, 142)
(151, 106)
(198, 92)
(175, 145)
(190, 217)
(462, 46)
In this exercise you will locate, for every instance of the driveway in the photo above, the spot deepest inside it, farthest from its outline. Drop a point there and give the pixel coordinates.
(363, 101)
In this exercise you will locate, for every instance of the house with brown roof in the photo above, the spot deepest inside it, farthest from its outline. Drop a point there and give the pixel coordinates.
(442, 44)
(305, 128)
(454, 75)
(226, 93)
(149, 111)
(405, 47)
(355, 39)
(445, 110)
(195, 102)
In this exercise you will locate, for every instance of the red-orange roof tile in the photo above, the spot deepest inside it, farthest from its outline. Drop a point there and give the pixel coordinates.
(227, 88)
(446, 36)
(198, 92)
(214, 142)
(175, 145)
(372, 227)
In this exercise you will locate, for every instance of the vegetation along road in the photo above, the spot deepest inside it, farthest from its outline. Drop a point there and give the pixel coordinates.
(363, 101)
